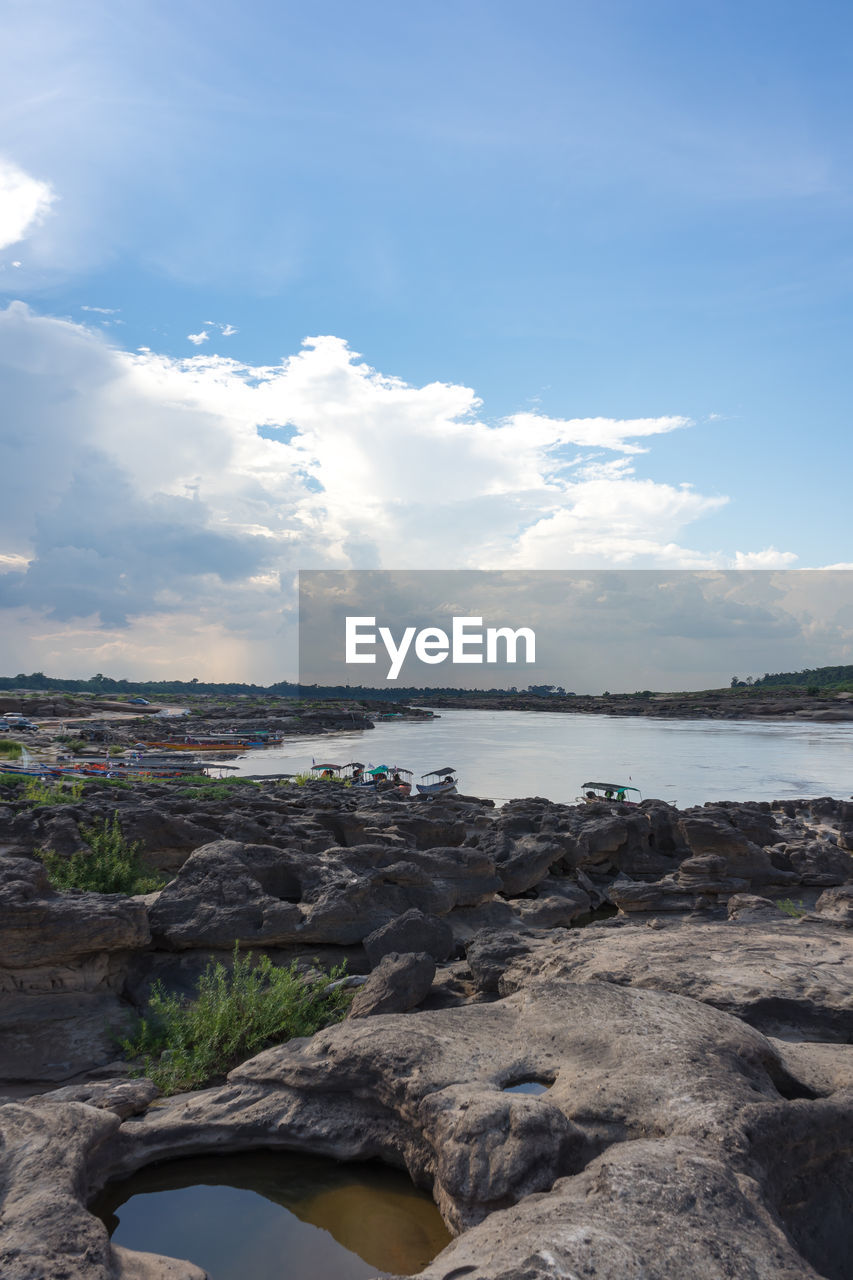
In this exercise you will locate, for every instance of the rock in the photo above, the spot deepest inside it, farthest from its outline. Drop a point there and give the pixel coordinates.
(784, 976)
(494, 914)
(412, 931)
(46, 1230)
(39, 926)
(54, 1037)
(227, 891)
(747, 906)
(672, 1141)
(262, 895)
(527, 861)
(713, 833)
(489, 953)
(62, 835)
(123, 1097)
(556, 911)
(821, 863)
(166, 839)
(663, 895)
(836, 905)
(397, 984)
(610, 1222)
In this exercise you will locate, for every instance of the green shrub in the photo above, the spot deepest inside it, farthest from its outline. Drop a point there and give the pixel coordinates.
(10, 750)
(185, 1044)
(795, 909)
(110, 864)
(40, 793)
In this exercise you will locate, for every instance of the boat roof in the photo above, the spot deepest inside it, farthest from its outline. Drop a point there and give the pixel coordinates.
(439, 773)
(611, 786)
(328, 766)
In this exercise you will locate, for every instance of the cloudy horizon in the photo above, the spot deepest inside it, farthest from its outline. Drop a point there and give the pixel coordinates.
(252, 322)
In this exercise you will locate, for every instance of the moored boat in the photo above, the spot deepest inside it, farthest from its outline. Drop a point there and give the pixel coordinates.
(594, 792)
(327, 772)
(444, 784)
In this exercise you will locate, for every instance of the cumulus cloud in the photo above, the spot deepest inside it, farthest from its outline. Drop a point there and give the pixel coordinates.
(198, 338)
(24, 203)
(141, 487)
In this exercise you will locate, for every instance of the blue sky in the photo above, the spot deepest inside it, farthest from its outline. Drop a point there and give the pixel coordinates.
(577, 211)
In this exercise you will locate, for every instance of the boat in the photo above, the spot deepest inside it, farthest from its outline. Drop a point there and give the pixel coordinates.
(327, 772)
(444, 784)
(393, 780)
(594, 792)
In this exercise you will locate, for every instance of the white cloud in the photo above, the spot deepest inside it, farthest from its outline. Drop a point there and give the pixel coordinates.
(228, 330)
(769, 558)
(198, 338)
(103, 311)
(142, 491)
(24, 203)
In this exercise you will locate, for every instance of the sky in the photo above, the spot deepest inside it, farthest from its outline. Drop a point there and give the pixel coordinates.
(585, 630)
(472, 285)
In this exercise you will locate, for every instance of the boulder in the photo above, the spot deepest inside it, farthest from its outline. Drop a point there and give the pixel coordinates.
(821, 863)
(39, 926)
(489, 954)
(397, 984)
(713, 833)
(412, 931)
(228, 891)
(836, 905)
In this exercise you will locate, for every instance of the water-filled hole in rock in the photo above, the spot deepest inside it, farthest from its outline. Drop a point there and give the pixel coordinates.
(267, 1214)
(528, 1086)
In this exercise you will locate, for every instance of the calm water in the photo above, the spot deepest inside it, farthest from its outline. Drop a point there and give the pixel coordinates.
(502, 754)
(270, 1216)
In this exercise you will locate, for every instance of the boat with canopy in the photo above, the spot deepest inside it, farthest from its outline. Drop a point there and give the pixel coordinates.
(618, 791)
(443, 784)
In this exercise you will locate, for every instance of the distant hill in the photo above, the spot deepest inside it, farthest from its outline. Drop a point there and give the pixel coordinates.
(838, 678)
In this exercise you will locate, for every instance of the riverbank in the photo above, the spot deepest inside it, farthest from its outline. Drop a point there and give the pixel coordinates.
(692, 1037)
(712, 704)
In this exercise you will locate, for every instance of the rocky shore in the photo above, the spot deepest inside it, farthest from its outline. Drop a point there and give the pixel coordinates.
(680, 982)
(713, 704)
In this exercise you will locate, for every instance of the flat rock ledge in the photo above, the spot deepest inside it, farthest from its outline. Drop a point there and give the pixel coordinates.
(673, 1140)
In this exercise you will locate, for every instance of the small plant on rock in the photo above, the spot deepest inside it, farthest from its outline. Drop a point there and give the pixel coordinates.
(187, 1043)
(110, 864)
(791, 908)
(41, 793)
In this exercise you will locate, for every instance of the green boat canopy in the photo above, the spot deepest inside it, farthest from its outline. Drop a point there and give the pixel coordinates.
(609, 786)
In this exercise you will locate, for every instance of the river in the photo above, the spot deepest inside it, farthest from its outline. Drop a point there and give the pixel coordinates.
(502, 754)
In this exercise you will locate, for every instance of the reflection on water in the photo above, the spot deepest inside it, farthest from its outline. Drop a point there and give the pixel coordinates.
(533, 1087)
(269, 1215)
(502, 754)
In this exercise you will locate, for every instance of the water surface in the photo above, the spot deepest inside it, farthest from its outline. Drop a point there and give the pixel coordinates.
(502, 754)
(275, 1216)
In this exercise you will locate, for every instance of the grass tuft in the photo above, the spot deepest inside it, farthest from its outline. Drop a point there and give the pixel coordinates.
(187, 1043)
